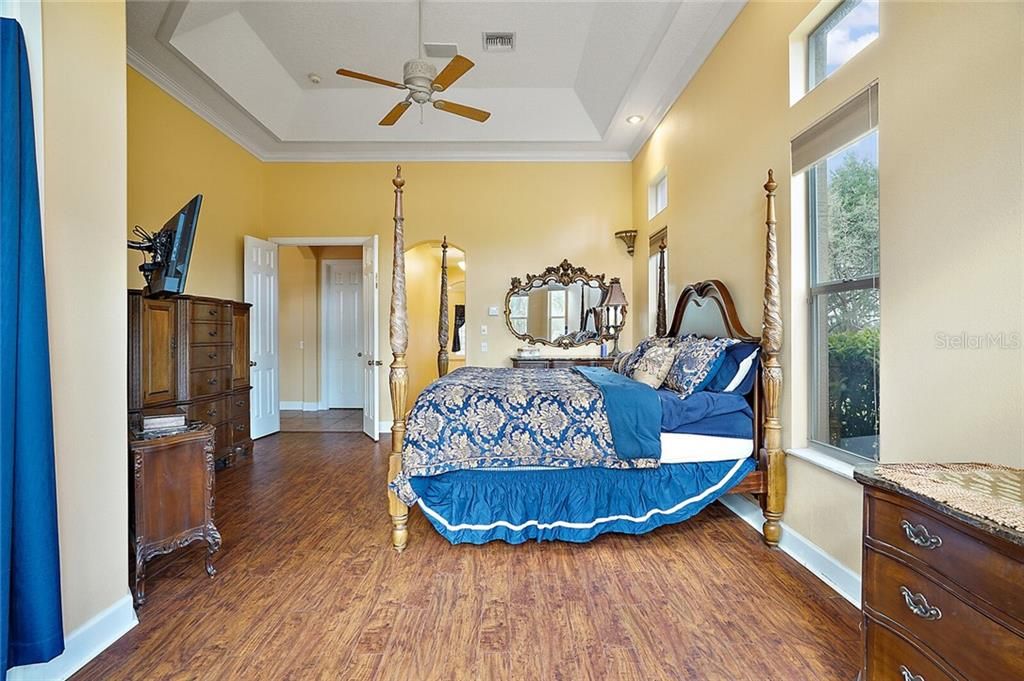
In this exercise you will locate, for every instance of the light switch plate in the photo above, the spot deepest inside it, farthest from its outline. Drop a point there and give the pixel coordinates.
(483, 329)
(483, 346)
(492, 311)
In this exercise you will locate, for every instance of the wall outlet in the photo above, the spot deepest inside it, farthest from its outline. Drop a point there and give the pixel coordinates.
(483, 346)
(302, 345)
(492, 311)
(483, 329)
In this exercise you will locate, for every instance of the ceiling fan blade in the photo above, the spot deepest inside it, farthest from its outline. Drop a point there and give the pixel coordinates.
(478, 115)
(456, 68)
(395, 113)
(371, 79)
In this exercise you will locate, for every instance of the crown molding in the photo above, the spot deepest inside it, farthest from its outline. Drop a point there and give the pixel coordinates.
(171, 87)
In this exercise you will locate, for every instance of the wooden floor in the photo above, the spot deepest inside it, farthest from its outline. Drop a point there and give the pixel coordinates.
(309, 588)
(323, 421)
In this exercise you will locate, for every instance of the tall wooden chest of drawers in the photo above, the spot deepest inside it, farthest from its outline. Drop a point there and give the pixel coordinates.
(943, 572)
(190, 355)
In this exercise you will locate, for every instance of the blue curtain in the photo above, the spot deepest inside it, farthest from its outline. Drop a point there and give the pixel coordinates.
(30, 616)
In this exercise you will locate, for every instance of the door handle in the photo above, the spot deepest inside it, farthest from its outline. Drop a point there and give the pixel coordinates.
(378, 363)
(359, 354)
(252, 363)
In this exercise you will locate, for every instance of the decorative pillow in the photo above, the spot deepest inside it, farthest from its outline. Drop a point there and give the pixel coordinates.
(654, 364)
(625, 362)
(696, 364)
(738, 369)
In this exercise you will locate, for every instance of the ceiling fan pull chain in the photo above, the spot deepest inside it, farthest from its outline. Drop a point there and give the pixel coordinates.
(421, 114)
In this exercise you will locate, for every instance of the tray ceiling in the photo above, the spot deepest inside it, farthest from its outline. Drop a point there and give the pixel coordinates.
(577, 71)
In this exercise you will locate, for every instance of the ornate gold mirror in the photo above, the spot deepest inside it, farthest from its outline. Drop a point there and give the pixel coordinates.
(559, 307)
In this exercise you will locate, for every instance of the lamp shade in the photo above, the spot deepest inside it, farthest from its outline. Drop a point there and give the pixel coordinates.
(614, 296)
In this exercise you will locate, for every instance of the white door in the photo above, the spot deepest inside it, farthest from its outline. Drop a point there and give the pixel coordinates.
(343, 333)
(260, 272)
(371, 341)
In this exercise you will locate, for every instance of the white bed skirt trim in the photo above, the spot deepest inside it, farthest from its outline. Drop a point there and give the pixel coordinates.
(582, 526)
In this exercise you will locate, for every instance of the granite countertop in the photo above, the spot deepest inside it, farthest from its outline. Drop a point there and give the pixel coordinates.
(985, 496)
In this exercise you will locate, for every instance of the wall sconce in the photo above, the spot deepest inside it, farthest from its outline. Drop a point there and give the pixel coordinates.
(628, 237)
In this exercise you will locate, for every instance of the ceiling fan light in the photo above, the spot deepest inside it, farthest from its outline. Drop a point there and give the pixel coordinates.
(634, 119)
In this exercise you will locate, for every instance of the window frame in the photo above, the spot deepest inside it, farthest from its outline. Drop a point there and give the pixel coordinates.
(831, 20)
(654, 193)
(818, 291)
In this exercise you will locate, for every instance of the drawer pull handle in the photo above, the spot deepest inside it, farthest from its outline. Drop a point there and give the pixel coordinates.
(212, 381)
(240, 427)
(211, 412)
(920, 536)
(918, 605)
(240, 403)
(212, 355)
(213, 333)
(909, 675)
(213, 312)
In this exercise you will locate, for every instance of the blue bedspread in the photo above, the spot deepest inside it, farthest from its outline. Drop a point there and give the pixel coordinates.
(634, 413)
(504, 418)
(575, 505)
(706, 413)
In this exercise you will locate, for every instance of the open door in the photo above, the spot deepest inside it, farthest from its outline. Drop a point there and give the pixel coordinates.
(260, 271)
(371, 341)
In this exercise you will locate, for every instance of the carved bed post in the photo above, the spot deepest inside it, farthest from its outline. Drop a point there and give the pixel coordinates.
(442, 319)
(660, 328)
(774, 500)
(399, 376)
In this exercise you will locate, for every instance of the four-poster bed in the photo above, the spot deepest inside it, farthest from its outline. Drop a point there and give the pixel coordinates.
(704, 310)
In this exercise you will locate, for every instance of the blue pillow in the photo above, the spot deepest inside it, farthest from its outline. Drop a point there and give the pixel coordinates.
(738, 369)
(698, 361)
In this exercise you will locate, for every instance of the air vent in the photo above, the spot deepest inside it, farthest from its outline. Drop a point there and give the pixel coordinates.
(499, 41)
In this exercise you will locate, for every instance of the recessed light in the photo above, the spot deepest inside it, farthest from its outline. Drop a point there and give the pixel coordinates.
(634, 119)
(314, 78)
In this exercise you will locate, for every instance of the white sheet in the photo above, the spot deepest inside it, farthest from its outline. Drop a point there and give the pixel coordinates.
(687, 448)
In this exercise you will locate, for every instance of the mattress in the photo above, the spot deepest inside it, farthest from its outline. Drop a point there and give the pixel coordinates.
(692, 448)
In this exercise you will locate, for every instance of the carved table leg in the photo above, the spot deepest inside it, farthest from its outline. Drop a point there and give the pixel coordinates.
(213, 542)
(140, 581)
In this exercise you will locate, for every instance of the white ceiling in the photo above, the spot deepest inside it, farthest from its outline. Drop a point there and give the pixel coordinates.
(578, 70)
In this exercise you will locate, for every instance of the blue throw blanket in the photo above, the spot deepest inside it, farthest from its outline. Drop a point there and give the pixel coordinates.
(634, 413)
(506, 418)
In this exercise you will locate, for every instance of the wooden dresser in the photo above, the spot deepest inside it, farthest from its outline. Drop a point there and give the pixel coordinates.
(190, 355)
(561, 362)
(943, 572)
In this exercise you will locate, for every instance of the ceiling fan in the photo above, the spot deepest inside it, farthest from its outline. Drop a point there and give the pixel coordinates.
(421, 79)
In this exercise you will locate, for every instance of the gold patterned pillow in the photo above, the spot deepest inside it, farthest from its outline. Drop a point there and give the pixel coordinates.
(652, 368)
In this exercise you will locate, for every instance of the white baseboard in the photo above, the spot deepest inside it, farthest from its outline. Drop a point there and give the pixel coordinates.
(83, 644)
(837, 576)
(290, 405)
(385, 427)
(310, 406)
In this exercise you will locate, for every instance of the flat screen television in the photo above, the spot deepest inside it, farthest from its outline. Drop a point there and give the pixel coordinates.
(169, 251)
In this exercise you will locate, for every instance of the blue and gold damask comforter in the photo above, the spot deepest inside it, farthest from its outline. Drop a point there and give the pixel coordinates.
(476, 418)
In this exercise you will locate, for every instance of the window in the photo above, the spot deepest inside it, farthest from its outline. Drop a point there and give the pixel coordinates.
(657, 195)
(518, 307)
(653, 275)
(556, 314)
(839, 157)
(851, 27)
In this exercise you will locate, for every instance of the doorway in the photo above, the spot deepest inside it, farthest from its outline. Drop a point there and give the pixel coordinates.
(320, 336)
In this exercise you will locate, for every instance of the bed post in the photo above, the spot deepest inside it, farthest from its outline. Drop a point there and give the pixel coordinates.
(774, 500)
(661, 323)
(399, 375)
(442, 318)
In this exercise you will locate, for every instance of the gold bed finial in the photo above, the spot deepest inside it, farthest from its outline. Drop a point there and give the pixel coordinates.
(399, 181)
(770, 185)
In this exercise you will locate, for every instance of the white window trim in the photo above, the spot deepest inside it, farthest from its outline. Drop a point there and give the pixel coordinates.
(837, 461)
(652, 194)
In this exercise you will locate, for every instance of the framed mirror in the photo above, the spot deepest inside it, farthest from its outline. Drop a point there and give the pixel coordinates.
(558, 307)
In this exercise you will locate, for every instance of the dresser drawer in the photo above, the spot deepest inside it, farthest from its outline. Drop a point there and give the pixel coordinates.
(240, 430)
(211, 312)
(972, 564)
(893, 658)
(223, 439)
(210, 356)
(209, 382)
(966, 639)
(211, 411)
(240, 405)
(207, 332)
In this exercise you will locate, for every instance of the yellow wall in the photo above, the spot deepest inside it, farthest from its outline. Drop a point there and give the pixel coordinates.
(83, 223)
(950, 164)
(299, 319)
(174, 155)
